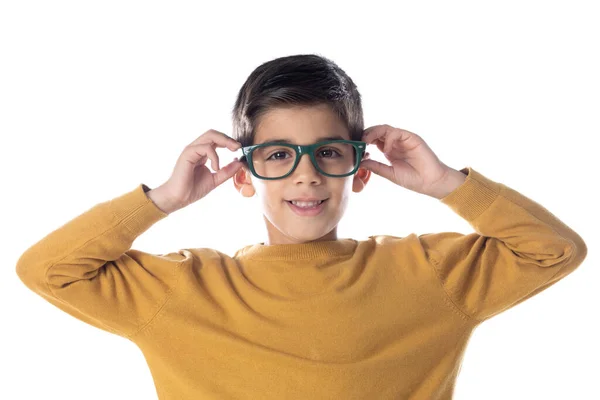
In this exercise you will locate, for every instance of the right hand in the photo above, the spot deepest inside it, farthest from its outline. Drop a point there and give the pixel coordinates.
(191, 180)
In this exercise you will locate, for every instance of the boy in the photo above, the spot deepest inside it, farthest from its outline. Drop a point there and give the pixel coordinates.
(304, 315)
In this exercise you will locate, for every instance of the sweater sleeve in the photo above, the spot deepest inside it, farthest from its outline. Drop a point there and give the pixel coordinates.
(518, 250)
(87, 269)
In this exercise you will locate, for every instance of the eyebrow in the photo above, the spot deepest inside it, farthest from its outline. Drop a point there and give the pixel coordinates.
(319, 140)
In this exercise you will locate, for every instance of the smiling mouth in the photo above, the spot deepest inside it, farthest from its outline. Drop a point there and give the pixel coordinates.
(318, 204)
(311, 211)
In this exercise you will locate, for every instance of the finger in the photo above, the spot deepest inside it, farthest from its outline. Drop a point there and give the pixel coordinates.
(384, 137)
(206, 149)
(390, 139)
(377, 167)
(231, 143)
(379, 131)
(380, 145)
(366, 132)
(219, 138)
(227, 172)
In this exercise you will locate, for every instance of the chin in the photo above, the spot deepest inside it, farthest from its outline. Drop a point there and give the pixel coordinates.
(305, 236)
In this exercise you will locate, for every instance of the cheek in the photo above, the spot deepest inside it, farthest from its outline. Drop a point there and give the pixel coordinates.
(342, 206)
(345, 190)
(272, 196)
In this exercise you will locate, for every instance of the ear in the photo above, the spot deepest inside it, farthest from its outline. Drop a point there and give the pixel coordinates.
(361, 177)
(243, 183)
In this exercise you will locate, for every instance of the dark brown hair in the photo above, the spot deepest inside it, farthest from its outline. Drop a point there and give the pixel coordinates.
(297, 80)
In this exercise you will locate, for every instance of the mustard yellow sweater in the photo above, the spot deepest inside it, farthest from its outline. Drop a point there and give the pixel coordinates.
(383, 318)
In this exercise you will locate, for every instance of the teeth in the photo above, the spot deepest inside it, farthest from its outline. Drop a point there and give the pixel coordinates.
(306, 204)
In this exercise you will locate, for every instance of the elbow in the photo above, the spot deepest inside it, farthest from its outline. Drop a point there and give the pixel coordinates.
(23, 269)
(31, 273)
(579, 251)
(27, 274)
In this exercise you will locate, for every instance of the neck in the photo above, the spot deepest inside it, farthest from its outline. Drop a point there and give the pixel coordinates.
(278, 237)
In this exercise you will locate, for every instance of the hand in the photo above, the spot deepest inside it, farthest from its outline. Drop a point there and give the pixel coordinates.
(191, 180)
(414, 165)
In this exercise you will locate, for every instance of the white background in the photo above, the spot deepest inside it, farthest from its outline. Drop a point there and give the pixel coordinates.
(98, 97)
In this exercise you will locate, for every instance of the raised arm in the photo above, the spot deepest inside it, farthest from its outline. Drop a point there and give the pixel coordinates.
(518, 249)
(88, 269)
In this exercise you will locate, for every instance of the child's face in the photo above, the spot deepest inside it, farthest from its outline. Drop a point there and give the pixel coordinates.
(305, 125)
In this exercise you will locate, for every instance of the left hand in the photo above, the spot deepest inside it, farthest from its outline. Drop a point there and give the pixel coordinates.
(414, 165)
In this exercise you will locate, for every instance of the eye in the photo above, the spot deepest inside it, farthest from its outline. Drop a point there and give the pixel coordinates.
(332, 150)
(277, 152)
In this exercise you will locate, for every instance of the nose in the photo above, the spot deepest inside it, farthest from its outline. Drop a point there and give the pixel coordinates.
(305, 170)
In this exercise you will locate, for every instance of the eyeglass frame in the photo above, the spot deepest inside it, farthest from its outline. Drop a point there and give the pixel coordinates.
(359, 147)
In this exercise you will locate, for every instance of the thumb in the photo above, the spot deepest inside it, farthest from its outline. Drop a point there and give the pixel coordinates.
(227, 172)
(377, 167)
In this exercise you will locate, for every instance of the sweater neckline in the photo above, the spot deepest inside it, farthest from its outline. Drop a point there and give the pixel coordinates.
(300, 251)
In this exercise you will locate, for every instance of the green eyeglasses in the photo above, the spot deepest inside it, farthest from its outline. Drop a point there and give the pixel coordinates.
(275, 160)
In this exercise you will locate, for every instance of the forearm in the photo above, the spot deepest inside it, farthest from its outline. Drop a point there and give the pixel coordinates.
(159, 198)
(453, 180)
